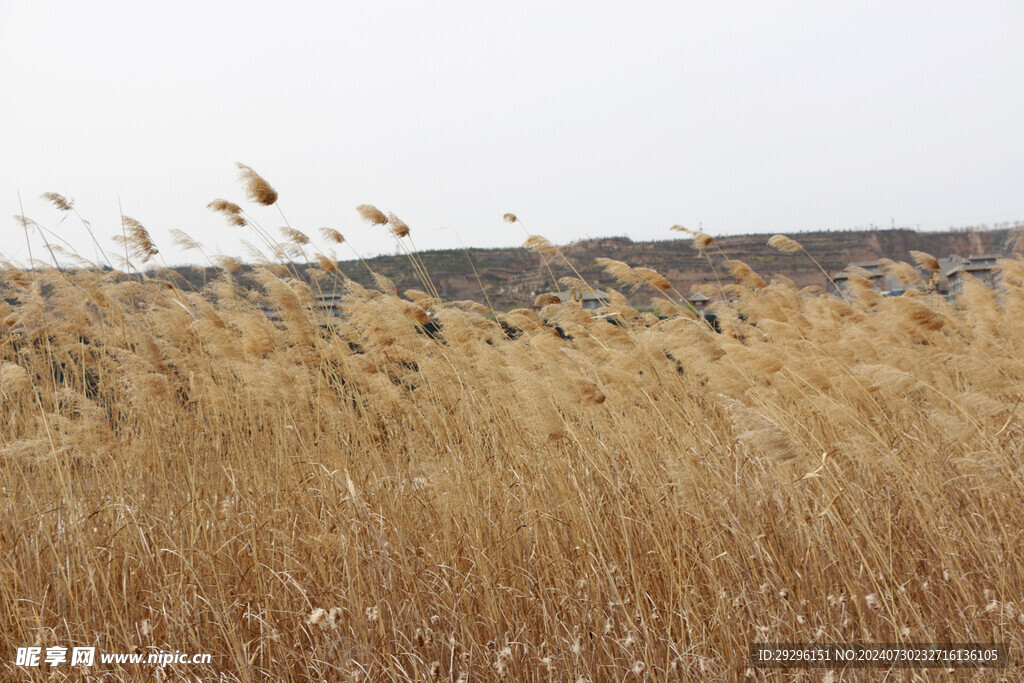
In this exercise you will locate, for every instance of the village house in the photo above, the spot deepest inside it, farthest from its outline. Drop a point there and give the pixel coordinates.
(872, 271)
(948, 280)
(589, 299)
(699, 302)
(984, 267)
(323, 306)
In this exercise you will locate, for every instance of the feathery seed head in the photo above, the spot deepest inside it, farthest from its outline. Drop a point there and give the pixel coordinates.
(399, 228)
(905, 272)
(62, 203)
(317, 617)
(416, 313)
(137, 240)
(224, 206)
(325, 263)
(785, 244)
(539, 245)
(621, 272)
(653, 278)
(573, 284)
(745, 274)
(702, 240)
(228, 264)
(921, 315)
(296, 236)
(415, 295)
(256, 188)
(590, 391)
(925, 260)
(738, 269)
(385, 284)
(510, 218)
(371, 214)
(230, 210)
(332, 235)
(182, 240)
(13, 378)
(547, 299)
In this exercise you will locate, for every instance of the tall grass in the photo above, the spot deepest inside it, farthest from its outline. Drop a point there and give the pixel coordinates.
(362, 501)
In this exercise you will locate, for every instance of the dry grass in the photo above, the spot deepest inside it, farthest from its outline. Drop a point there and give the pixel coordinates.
(368, 502)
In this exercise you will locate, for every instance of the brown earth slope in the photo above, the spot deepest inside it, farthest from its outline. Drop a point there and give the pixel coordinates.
(512, 276)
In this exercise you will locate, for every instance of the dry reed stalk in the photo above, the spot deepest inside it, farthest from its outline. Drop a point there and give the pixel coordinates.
(821, 470)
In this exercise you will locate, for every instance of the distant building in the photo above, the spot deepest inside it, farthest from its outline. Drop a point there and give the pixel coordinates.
(947, 280)
(939, 281)
(589, 299)
(328, 305)
(872, 271)
(322, 306)
(983, 267)
(699, 302)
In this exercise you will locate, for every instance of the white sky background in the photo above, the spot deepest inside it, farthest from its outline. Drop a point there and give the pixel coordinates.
(584, 118)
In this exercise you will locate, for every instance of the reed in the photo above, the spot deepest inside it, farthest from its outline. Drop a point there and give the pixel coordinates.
(365, 501)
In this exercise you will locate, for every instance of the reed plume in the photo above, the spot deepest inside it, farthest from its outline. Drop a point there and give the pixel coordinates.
(702, 240)
(904, 272)
(419, 489)
(295, 236)
(786, 245)
(621, 272)
(60, 202)
(230, 210)
(925, 261)
(327, 264)
(372, 215)
(332, 235)
(256, 188)
(182, 240)
(137, 240)
(540, 245)
(653, 278)
(398, 227)
(744, 274)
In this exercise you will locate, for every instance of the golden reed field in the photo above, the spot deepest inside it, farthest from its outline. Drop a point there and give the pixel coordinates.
(521, 496)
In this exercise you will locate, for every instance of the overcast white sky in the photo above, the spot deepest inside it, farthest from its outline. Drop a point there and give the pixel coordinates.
(584, 118)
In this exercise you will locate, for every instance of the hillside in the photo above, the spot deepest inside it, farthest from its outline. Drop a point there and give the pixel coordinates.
(512, 275)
